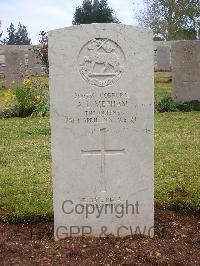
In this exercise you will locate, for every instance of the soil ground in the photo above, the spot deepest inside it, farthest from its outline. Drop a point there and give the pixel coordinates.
(176, 242)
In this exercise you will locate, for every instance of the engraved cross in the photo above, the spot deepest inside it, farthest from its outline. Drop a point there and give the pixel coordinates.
(103, 152)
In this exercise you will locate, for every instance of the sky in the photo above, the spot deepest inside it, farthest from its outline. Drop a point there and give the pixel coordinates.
(38, 15)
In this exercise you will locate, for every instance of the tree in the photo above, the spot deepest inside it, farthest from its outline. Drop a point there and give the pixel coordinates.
(22, 35)
(94, 12)
(11, 39)
(41, 51)
(171, 19)
(17, 37)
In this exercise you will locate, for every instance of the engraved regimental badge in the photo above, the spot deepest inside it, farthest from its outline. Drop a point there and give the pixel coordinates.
(101, 62)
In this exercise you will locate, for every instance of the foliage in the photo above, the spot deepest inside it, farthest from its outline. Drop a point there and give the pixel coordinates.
(171, 20)
(22, 35)
(94, 12)
(42, 108)
(17, 37)
(193, 105)
(167, 104)
(25, 103)
(8, 112)
(11, 39)
(8, 98)
(42, 50)
(32, 99)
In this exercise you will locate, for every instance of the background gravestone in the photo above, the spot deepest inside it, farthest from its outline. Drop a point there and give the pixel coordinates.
(101, 90)
(2, 63)
(15, 69)
(186, 70)
(32, 64)
(162, 56)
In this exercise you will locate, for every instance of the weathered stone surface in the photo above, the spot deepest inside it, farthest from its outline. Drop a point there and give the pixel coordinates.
(2, 63)
(32, 64)
(101, 89)
(162, 56)
(186, 70)
(15, 68)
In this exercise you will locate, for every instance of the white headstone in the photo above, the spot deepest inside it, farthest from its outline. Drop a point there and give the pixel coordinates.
(101, 88)
(186, 70)
(2, 62)
(163, 58)
(15, 69)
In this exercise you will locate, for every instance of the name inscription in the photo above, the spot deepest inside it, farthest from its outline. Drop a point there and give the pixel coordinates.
(107, 107)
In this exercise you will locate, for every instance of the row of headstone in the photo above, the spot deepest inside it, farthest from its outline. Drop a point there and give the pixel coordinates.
(162, 58)
(18, 62)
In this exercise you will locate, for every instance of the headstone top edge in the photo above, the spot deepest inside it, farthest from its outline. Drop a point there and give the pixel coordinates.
(98, 25)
